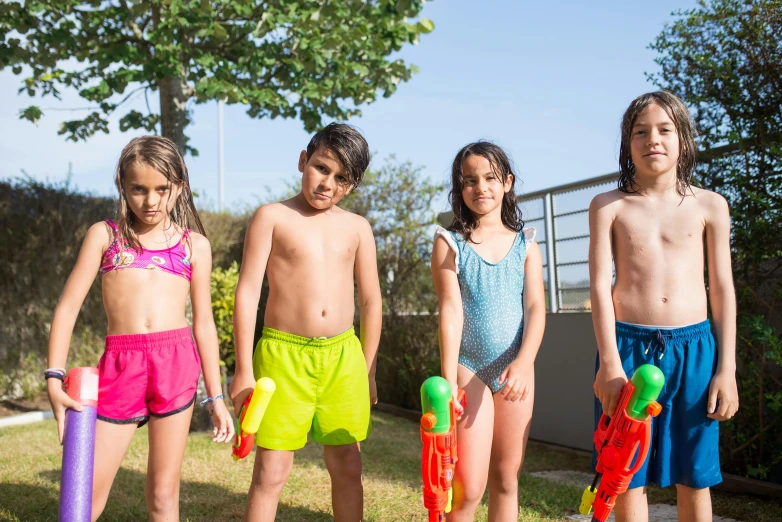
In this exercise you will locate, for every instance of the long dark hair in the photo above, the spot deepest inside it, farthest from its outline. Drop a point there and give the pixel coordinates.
(685, 129)
(162, 155)
(464, 222)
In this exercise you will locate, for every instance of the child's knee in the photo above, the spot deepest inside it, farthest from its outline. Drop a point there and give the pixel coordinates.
(345, 466)
(162, 497)
(271, 475)
(692, 496)
(469, 494)
(632, 504)
(100, 494)
(503, 480)
(98, 505)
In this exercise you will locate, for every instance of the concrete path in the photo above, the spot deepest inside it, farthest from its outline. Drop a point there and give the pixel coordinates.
(657, 512)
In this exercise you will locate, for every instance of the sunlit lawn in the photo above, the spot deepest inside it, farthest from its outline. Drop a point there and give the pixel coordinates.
(214, 487)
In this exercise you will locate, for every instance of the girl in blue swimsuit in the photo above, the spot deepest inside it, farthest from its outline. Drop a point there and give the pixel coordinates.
(488, 274)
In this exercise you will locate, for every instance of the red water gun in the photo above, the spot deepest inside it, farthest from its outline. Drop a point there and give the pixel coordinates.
(618, 441)
(438, 433)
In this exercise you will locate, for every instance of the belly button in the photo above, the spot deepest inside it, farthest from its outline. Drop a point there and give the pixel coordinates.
(665, 299)
(323, 313)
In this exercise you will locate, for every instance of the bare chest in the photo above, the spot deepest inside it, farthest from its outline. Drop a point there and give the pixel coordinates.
(307, 244)
(493, 247)
(648, 228)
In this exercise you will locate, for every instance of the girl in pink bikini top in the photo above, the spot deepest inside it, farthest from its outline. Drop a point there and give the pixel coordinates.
(151, 367)
(119, 255)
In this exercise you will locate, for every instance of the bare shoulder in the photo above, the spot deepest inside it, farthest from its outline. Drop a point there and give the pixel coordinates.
(710, 200)
(714, 207)
(200, 242)
(607, 202)
(607, 198)
(534, 249)
(100, 232)
(353, 221)
(266, 216)
(269, 211)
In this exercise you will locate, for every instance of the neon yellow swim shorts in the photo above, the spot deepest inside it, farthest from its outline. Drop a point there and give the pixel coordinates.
(321, 384)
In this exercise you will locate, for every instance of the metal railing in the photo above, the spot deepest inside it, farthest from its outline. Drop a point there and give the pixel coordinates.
(559, 215)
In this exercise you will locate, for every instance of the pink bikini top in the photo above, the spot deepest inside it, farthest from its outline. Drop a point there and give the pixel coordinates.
(174, 260)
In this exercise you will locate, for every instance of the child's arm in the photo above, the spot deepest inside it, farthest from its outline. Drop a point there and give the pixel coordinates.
(722, 297)
(369, 301)
(446, 284)
(257, 247)
(610, 377)
(519, 374)
(206, 335)
(65, 314)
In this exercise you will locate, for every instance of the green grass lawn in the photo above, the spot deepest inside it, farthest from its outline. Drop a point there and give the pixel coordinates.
(214, 487)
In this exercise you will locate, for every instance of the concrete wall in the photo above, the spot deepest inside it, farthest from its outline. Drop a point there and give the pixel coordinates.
(564, 373)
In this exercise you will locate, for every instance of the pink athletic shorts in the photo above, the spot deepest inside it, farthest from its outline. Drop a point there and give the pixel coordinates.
(147, 374)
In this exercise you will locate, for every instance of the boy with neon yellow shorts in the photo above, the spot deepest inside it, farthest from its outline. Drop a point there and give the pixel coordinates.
(310, 251)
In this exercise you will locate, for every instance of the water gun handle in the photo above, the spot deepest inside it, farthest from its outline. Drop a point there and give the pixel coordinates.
(645, 442)
(243, 441)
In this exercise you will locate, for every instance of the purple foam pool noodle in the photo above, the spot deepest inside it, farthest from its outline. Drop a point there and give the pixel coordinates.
(79, 447)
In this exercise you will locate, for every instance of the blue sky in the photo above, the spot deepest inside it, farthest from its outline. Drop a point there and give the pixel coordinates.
(548, 81)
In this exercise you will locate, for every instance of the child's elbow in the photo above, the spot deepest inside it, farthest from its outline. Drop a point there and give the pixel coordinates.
(204, 325)
(372, 303)
(722, 288)
(536, 309)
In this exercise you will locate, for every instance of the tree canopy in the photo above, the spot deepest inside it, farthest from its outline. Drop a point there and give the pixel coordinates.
(304, 59)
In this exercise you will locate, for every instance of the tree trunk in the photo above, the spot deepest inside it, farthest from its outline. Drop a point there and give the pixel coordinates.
(174, 93)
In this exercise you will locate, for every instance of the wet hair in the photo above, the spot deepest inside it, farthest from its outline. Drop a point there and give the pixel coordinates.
(685, 129)
(348, 145)
(464, 222)
(162, 155)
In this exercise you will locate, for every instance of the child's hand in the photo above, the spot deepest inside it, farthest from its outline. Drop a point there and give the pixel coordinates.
(372, 390)
(723, 388)
(457, 408)
(241, 386)
(517, 378)
(60, 401)
(608, 385)
(223, 424)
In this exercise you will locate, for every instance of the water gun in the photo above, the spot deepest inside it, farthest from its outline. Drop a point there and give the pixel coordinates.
(250, 417)
(438, 433)
(618, 438)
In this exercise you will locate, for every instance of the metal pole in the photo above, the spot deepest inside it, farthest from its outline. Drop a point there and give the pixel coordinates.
(220, 153)
(551, 262)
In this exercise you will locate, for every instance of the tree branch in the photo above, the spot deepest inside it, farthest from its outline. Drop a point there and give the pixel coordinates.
(131, 23)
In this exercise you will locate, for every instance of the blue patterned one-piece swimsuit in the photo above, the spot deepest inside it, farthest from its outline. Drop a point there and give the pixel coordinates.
(492, 304)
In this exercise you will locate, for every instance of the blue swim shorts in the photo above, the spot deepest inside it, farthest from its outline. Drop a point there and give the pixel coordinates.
(685, 443)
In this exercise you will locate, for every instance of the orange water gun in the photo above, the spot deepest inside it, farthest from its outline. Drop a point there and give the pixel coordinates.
(618, 441)
(438, 433)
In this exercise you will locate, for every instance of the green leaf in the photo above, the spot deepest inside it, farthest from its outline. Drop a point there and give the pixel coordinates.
(426, 25)
(32, 113)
